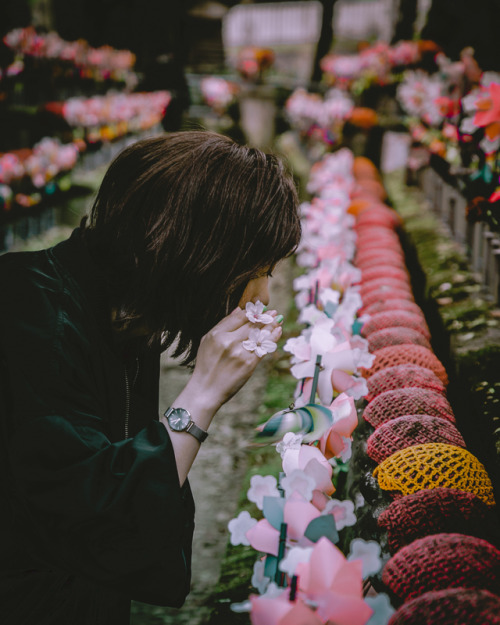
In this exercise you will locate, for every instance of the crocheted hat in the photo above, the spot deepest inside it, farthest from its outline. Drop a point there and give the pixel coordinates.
(452, 606)
(412, 400)
(401, 376)
(396, 336)
(432, 511)
(392, 304)
(373, 258)
(384, 271)
(434, 465)
(394, 319)
(381, 240)
(367, 286)
(407, 355)
(410, 430)
(379, 214)
(381, 294)
(443, 561)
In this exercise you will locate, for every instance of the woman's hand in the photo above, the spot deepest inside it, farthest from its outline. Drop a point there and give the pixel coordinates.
(223, 365)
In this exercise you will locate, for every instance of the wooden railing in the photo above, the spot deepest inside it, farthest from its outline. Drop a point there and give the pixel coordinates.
(478, 242)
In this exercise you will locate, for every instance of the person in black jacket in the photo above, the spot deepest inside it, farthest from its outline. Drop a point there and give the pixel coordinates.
(96, 506)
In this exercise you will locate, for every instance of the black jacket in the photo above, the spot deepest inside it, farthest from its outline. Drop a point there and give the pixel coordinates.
(89, 519)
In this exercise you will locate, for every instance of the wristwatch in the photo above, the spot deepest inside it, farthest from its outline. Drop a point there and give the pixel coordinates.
(180, 420)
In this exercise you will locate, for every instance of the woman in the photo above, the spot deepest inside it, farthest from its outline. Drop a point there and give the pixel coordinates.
(97, 509)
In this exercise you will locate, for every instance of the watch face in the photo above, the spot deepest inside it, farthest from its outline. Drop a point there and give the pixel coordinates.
(179, 419)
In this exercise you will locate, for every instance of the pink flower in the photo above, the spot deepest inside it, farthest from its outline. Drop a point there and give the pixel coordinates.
(260, 342)
(255, 313)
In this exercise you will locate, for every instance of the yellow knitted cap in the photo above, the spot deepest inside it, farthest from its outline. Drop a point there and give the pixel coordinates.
(434, 465)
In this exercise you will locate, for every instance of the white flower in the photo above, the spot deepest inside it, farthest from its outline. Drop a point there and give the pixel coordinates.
(260, 342)
(342, 511)
(368, 551)
(382, 609)
(346, 453)
(239, 527)
(259, 580)
(239, 608)
(359, 500)
(298, 481)
(255, 313)
(261, 487)
(294, 556)
(290, 441)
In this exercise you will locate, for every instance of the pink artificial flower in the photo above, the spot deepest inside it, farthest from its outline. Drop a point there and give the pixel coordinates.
(332, 442)
(334, 585)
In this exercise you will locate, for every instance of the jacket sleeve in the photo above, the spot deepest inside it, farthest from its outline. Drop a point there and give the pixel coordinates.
(112, 512)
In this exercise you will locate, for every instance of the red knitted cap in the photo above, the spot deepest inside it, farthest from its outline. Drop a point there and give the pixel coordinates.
(407, 355)
(367, 286)
(408, 430)
(392, 305)
(379, 215)
(389, 293)
(372, 256)
(407, 401)
(436, 510)
(384, 271)
(394, 319)
(401, 376)
(396, 336)
(443, 561)
(453, 606)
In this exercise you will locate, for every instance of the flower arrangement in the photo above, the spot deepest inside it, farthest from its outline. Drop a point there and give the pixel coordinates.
(253, 62)
(302, 576)
(113, 115)
(25, 174)
(218, 93)
(99, 63)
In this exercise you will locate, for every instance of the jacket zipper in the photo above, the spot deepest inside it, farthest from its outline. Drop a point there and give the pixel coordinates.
(127, 395)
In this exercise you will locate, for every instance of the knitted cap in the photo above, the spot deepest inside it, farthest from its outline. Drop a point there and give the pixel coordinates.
(432, 511)
(452, 606)
(443, 561)
(434, 465)
(396, 336)
(376, 255)
(379, 214)
(401, 376)
(384, 271)
(412, 400)
(407, 355)
(410, 430)
(367, 286)
(392, 304)
(388, 293)
(394, 319)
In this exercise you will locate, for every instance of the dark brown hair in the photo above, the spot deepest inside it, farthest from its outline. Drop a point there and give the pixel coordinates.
(181, 223)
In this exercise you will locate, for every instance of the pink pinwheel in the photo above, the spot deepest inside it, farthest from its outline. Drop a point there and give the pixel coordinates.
(333, 585)
(333, 442)
(279, 610)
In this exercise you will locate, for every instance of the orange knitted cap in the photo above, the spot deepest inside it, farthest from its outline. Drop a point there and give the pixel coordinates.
(403, 432)
(434, 465)
(432, 511)
(402, 376)
(443, 561)
(452, 606)
(407, 355)
(396, 336)
(407, 401)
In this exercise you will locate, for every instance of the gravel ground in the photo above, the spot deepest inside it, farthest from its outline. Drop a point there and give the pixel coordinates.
(215, 478)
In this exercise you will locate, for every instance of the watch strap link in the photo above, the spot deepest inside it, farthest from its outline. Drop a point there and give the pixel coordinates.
(197, 432)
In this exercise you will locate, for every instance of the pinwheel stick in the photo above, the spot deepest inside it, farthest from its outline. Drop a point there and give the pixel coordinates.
(314, 387)
(279, 578)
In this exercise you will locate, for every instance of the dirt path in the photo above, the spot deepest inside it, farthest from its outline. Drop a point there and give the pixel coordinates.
(215, 477)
